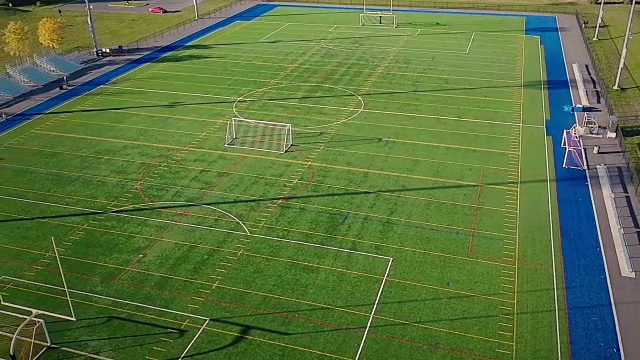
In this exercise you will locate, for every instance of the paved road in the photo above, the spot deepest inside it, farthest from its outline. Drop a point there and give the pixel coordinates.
(103, 5)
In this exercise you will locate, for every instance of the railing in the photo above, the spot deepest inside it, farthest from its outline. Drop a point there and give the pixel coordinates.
(175, 29)
(457, 5)
(594, 70)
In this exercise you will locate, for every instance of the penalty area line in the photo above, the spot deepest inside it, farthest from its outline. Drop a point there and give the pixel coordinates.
(99, 212)
(470, 42)
(373, 311)
(275, 31)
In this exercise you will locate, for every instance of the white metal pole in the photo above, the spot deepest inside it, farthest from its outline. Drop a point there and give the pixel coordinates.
(599, 19)
(195, 7)
(623, 55)
(92, 30)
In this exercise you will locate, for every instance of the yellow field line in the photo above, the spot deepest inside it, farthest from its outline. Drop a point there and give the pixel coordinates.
(440, 117)
(324, 306)
(228, 172)
(233, 251)
(391, 246)
(276, 159)
(362, 313)
(270, 64)
(409, 157)
(130, 126)
(234, 334)
(438, 145)
(398, 219)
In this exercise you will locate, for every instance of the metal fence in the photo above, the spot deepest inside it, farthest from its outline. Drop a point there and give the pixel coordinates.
(453, 5)
(175, 29)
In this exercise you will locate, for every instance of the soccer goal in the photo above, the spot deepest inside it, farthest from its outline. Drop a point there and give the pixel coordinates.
(379, 16)
(25, 337)
(258, 135)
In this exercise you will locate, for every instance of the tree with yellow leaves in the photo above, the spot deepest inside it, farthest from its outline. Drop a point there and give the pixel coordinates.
(16, 39)
(50, 32)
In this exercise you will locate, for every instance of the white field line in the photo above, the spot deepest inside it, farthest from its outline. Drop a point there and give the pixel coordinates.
(256, 55)
(275, 31)
(329, 107)
(196, 226)
(11, 305)
(194, 339)
(101, 86)
(333, 27)
(188, 204)
(604, 260)
(373, 311)
(551, 232)
(54, 346)
(470, 42)
(106, 298)
(64, 281)
(358, 27)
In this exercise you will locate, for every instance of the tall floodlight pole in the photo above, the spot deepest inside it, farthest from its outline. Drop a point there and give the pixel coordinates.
(599, 19)
(195, 7)
(623, 55)
(92, 30)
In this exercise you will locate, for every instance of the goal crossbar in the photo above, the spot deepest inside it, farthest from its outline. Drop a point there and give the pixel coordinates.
(378, 19)
(259, 135)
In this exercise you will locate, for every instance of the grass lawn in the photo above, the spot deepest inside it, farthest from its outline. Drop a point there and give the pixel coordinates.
(411, 218)
(116, 29)
(111, 28)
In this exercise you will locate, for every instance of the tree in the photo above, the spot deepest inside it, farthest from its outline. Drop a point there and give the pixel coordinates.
(16, 39)
(50, 32)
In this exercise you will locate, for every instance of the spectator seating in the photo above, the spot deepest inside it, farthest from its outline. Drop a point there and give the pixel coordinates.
(57, 64)
(31, 75)
(10, 89)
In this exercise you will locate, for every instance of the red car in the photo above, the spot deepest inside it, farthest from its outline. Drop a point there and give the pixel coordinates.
(157, 10)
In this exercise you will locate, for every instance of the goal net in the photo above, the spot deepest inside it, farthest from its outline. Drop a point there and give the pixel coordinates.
(22, 337)
(258, 135)
(380, 15)
(379, 19)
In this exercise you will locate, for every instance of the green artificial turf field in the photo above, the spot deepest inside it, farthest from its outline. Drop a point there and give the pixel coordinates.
(411, 218)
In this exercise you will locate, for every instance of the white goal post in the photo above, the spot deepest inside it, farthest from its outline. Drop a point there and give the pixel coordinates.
(258, 135)
(27, 336)
(380, 15)
(378, 19)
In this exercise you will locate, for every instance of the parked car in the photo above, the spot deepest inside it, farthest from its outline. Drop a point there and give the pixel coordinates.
(157, 10)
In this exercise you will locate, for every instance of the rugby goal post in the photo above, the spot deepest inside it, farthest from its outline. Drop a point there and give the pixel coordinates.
(379, 16)
(259, 135)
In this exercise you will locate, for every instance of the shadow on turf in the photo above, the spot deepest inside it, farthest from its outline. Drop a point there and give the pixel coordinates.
(268, 199)
(551, 85)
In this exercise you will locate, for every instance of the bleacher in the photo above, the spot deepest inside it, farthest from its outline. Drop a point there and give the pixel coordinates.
(10, 89)
(57, 64)
(31, 75)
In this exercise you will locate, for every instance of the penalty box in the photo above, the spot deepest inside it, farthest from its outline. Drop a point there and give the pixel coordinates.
(137, 329)
(338, 273)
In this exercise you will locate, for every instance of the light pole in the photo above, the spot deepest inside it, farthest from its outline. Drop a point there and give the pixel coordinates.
(623, 55)
(599, 19)
(92, 30)
(195, 7)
